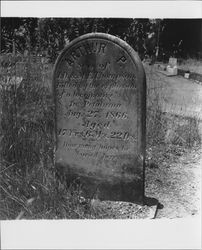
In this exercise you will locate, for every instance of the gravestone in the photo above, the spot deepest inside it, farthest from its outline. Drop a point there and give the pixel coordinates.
(100, 104)
(171, 69)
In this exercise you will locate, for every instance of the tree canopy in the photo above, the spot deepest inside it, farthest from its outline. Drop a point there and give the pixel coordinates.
(48, 36)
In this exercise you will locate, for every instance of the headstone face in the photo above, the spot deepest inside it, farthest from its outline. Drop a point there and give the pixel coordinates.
(172, 62)
(100, 98)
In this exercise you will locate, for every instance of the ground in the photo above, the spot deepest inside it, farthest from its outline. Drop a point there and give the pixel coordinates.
(177, 185)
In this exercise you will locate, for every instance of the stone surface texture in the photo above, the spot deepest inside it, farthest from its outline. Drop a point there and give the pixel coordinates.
(100, 103)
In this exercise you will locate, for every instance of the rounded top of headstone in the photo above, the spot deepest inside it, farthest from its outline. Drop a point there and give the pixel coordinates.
(107, 37)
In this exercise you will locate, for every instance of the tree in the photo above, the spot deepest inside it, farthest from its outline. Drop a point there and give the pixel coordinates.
(48, 36)
(18, 34)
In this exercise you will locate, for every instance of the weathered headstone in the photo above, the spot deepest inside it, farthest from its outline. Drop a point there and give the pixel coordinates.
(100, 97)
(171, 69)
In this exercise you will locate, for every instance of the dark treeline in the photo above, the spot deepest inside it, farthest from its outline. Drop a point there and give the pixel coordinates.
(149, 37)
(184, 35)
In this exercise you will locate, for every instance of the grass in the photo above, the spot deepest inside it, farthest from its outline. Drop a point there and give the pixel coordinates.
(191, 65)
(29, 186)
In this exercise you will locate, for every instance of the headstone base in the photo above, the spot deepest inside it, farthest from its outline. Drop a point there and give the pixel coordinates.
(171, 71)
(104, 189)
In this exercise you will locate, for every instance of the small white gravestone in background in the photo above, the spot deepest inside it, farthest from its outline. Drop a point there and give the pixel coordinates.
(186, 75)
(171, 69)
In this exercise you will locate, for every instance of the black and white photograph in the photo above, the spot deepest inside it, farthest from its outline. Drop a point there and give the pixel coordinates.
(100, 118)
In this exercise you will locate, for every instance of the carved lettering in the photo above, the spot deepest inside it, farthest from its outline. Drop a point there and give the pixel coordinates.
(85, 49)
(102, 47)
(63, 76)
(69, 61)
(96, 134)
(116, 115)
(98, 147)
(72, 113)
(96, 125)
(74, 55)
(122, 59)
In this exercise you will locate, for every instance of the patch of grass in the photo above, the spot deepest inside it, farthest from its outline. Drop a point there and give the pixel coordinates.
(28, 185)
(40, 195)
(167, 129)
(191, 65)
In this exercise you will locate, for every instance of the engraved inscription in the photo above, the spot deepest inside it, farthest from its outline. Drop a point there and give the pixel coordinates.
(98, 85)
(95, 134)
(66, 77)
(122, 59)
(84, 50)
(92, 99)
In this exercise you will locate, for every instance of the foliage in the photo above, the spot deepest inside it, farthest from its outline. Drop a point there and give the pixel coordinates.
(48, 36)
(149, 37)
(56, 33)
(18, 34)
(181, 38)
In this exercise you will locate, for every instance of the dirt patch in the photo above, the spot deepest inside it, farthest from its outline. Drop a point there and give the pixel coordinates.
(176, 183)
(122, 210)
